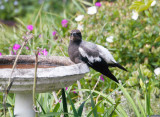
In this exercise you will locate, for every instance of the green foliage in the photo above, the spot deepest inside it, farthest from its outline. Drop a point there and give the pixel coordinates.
(141, 5)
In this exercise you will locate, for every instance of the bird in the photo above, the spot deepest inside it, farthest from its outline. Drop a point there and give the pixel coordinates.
(95, 56)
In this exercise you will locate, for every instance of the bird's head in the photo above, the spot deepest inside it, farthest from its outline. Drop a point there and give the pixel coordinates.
(75, 35)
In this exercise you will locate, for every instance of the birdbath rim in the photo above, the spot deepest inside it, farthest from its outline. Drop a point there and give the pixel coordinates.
(48, 79)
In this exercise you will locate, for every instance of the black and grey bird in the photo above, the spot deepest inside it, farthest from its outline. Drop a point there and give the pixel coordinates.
(95, 56)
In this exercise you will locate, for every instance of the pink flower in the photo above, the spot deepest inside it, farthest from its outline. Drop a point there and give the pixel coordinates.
(98, 4)
(64, 23)
(45, 52)
(59, 101)
(101, 77)
(30, 27)
(13, 53)
(66, 88)
(54, 33)
(74, 91)
(16, 46)
(39, 53)
(0, 54)
(27, 47)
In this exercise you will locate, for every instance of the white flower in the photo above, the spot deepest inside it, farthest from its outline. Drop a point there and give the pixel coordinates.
(109, 39)
(2, 7)
(134, 15)
(15, 3)
(79, 18)
(80, 27)
(16, 10)
(157, 71)
(153, 3)
(106, 44)
(92, 10)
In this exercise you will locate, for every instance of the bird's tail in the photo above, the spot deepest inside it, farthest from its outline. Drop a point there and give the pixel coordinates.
(107, 73)
(119, 66)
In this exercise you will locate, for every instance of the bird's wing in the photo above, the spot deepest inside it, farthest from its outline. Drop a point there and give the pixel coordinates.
(90, 54)
(106, 55)
(90, 51)
(108, 58)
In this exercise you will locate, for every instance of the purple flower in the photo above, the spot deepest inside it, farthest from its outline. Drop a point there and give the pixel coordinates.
(16, 47)
(98, 4)
(66, 88)
(0, 54)
(64, 23)
(40, 36)
(45, 52)
(59, 101)
(101, 77)
(54, 33)
(30, 27)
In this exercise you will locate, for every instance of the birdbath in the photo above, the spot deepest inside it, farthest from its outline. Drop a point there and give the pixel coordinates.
(53, 73)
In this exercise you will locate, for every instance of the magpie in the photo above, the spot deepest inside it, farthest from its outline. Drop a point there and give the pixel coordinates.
(95, 56)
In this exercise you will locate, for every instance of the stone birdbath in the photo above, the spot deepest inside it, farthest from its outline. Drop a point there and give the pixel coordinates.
(53, 73)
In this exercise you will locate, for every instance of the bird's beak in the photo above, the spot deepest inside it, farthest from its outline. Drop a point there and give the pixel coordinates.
(74, 34)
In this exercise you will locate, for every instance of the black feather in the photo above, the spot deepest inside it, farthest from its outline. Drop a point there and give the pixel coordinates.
(100, 66)
(117, 65)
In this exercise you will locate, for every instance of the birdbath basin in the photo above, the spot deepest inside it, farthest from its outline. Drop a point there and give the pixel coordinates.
(53, 73)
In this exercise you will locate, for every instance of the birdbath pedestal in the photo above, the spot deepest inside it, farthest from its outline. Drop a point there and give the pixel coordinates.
(53, 73)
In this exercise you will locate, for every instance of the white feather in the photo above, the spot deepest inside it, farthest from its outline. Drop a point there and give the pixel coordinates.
(90, 58)
(106, 55)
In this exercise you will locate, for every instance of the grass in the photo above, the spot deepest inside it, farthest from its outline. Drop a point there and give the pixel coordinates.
(133, 46)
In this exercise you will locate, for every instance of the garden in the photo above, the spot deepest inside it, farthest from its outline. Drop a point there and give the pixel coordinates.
(129, 29)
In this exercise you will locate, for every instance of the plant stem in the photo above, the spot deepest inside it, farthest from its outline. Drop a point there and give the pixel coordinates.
(35, 82)
(11, 82)
(147, 99)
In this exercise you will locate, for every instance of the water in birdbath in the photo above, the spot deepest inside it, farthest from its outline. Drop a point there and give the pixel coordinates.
(26, 66)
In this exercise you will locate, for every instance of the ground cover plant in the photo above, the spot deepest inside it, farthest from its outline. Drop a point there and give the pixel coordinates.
(129, 29)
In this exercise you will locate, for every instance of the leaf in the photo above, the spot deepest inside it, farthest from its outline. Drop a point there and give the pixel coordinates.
(93, 106)
(109, 111)
(140, 6)
(43, 111)
(56, 107)
(7, 106)
(136, 4)
(38, 15)
(65, 109)
(80, 110)
(85, 2)
(20, 21)
(73, 107)
(109, 101)
(51, 114)
(128, 97)
(78, 6)
(140, 107)
(157, 39)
